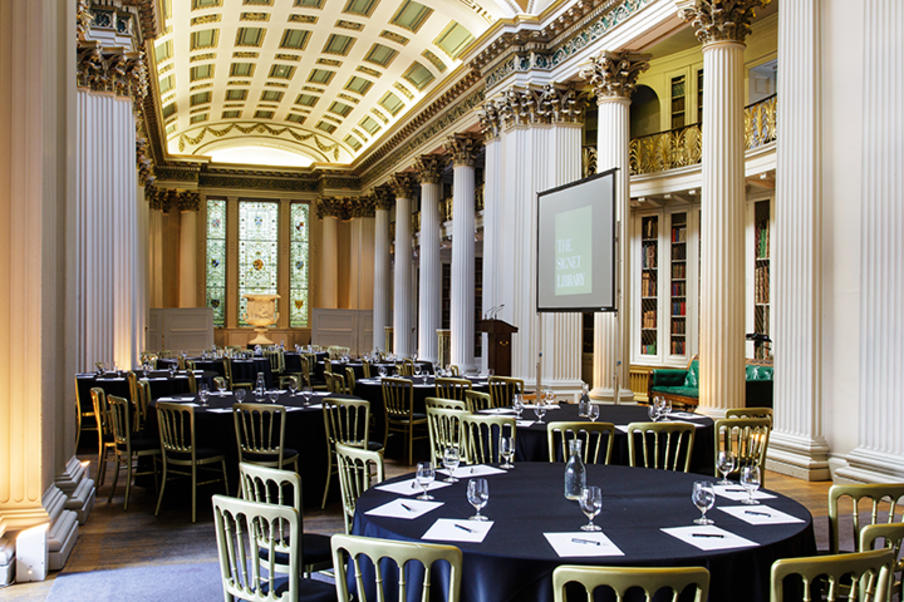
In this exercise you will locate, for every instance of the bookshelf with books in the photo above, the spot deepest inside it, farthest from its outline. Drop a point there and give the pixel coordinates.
(761, 281)
(649, 276)
(678, 285)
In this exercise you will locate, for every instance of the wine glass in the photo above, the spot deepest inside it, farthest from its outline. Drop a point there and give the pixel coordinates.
(591, 503)
(540, 408)
(750, 480)
(273, 396)
(424, 476)
(291, 386)
(727, 464)
(478, 496)
(381, 371)
(203, 393)
(306, 393)
(549, 396)
(451, 460)
(418, 371)
(653, 410)
(703, 496)
(666, 408)
(507, 450)
(221, 386)
(593, 412)
(518, 404)
(240, 394)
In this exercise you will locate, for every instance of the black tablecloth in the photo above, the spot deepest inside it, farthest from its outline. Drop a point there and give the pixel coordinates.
(338, 367)
(243, 370)
(515, 562)
(118, 385)
(215, 429)
(532, 441)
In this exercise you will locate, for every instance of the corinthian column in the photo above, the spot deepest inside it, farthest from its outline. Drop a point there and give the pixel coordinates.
(384, 201)
(361, 244)
(464, 150)
(429, 170)
(613, 77)
(403, 188)
(722, 31)
(328, 284)
(189, 204)
(796, 446)
(158, 204)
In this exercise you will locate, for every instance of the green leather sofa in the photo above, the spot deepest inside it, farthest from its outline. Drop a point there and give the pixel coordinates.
(682, 386)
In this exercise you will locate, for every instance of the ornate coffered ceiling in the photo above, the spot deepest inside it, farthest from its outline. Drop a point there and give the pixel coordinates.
(302, 81)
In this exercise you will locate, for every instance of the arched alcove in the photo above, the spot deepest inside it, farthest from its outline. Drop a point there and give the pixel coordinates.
(644, 112)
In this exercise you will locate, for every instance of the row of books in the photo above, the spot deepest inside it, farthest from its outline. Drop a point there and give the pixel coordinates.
(679, 308)
(679, 234)
(679, 289)
(648, 285)
(679, 270)
(649, 319)
(761, 284)
(761, 242)
(649, 256)
(648, 349)
(650, 227)
(678, 325)
(678, 346)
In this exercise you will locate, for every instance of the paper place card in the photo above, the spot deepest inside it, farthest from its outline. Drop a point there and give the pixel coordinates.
(760, 515)
(549, 406)
(687, 416)
(709, 537)
(582, 543)
(524, 423)
(622, 427)
(478, 470)
(404, 508)
(736, 493)
(696, 424)
(497, 411)
(410, 487)
(447, 529)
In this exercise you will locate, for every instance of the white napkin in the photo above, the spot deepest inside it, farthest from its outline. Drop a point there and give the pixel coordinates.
(549, 406)
(760, 515)
(687, 416)
(478, 470)
(524, 423)
(447, 529)
(410, 487)
(736, 493)
(582, 543)
(220, 410)
(404, 508)
(622, 427)
(709, 537)
(696, 424)
(497, 411)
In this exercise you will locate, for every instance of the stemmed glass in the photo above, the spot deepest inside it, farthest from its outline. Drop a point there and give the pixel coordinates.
(593, 412)
(750, 480)
(507, 450)
(273, 396)
(478, 496)
(655, 409)
(306, 393)
(727, 464)
(540, 408)
(418, 371)
(549, 396)
(665, 408)
(425, 475)
(518, 404)
(703, 496)
(240, 395)
(591, 502)
(203, 393)
(221, 387)
(381, 371)
(451, 460)
(291, 387)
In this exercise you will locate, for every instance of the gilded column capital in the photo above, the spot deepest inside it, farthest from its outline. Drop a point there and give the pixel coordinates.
(429, 168)
(531, 106)
(384, 197)
(122, 73)
(361, 207)
(143, 162)
(614, 74)
(189, 200)
(331, 207)
(720, 20)
(402, 184)
(464, 149)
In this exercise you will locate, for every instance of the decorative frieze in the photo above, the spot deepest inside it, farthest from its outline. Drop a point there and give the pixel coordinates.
(720, 20)
(464, 149)
(531, 106)
(384, 197)
(429, 168)
(403, 185)
(614, 74)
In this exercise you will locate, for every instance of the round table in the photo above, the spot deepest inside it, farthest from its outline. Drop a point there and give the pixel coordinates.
(215, 429)
(161, 382)
(243, 370)
(532, 440)
(338, 367)
(515, 561)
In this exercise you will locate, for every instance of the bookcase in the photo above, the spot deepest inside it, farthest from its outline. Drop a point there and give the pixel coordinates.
(759, 314)
(649, 285)
(678, 292)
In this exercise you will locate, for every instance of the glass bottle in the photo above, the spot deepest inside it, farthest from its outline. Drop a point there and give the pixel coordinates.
(575, 471)
(584, 403)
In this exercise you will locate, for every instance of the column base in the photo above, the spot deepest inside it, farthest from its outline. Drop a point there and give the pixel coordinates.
(605, 394)
(80, 490)
(799, 457)
(868, 466)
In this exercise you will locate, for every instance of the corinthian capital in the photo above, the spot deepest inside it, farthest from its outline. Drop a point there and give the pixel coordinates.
(402, 185)
(720, 20)
(361, 207)
(429, 168)
(383, 197)
(189, 200)
(614, 74)
(464, 149)
(332, 207)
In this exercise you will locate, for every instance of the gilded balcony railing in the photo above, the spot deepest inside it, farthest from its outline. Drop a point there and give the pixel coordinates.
(478, 199)
(447, 209)
(681, 147)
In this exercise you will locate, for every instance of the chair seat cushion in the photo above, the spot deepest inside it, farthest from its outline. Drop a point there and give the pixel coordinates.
(414, 417)
(141, 444)
(309, 590)
(316, 550)
(374, 445)
(200, 454)
(288, 454)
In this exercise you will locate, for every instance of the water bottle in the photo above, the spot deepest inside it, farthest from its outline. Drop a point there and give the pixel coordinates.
(259, 384)
(584, 403)
(575, 472)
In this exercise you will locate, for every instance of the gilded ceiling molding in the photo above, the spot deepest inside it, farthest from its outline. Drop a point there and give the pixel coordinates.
(464, 148)
(384, 197)
(144, 163)
(720, 20)
(83, 20)
(297, 134)
(429, 168)
(403, 185)
(614, 74)
(189, 200)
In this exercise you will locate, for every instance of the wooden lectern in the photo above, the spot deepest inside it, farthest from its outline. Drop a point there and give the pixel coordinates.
(500, 345)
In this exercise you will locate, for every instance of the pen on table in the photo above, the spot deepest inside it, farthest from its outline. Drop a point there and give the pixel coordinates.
(472, 470)
(736, 490)
(706, 535)
(463, 528)
(406, 507)
(414, 484)
(754, 512)
(578, 540)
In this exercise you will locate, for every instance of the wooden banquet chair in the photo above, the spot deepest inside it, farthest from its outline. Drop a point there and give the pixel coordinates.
(405, 368)
(260, 435)
(242, 527)
(662, 445)
(891, 536)
(882, 500)
(192, 383)
(181, 455)
(141, 411)
(105, 441)
(591, 434)
(503, 389)
(83, 418)
(268, 485)
(620, 579)
(749, 413)
(481, 435)
(829, 575)
(359, 470)
(746, 438)
(477, 400)
(335, 383)
(444, 426)
(345, 421)
(452, 388)
(127, 449)
(350, 380)
(348, 551)
(400, 417)
(233, 383)
(449, 404)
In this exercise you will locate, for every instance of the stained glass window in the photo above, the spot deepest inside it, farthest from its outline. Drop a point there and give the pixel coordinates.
(215, 277)
(258, 250)
(298, 266)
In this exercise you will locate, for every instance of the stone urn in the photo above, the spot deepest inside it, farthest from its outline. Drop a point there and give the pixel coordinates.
(260, 312)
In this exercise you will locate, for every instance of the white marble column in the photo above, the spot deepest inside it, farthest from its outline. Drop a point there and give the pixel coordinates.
(189, 204)
(328, 283)
(722, 280)
(402, 324)
(464, 150)
(492, 182)
(879, 455)
(429, 169)
(797, 446)
(613, 77)
(361, 254)
(382, 272)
